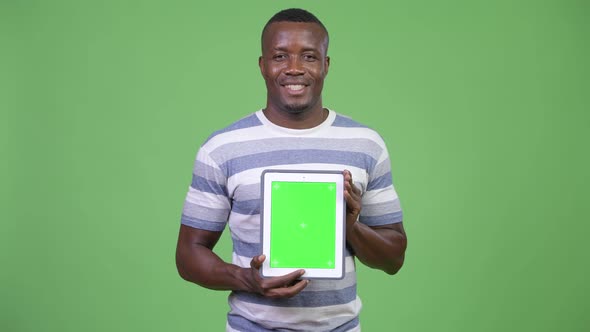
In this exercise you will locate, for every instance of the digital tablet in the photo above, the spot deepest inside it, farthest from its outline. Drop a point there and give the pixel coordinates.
(303, 223)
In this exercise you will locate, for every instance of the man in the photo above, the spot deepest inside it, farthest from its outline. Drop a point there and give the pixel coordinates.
(294, 130)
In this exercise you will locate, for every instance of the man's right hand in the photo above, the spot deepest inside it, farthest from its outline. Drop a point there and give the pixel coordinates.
(275, 287)
(196, 262)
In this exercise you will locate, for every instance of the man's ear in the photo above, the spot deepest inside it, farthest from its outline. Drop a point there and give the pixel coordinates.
(260, 65)
(327, 65)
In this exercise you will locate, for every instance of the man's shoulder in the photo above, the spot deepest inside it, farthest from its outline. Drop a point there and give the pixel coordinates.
(248, 121)
(345, 121)
(360, 130)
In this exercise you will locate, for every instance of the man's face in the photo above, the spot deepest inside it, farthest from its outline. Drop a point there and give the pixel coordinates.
(294, 65)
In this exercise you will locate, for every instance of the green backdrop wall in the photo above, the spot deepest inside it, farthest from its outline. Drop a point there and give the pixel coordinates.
(483, 104)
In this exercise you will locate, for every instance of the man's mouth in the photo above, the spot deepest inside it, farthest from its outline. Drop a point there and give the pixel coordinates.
(295, 87)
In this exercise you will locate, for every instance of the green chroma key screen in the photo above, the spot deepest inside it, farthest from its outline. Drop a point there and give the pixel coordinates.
(303, 225)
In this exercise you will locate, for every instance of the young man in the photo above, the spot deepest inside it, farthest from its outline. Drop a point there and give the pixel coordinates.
(294, 130)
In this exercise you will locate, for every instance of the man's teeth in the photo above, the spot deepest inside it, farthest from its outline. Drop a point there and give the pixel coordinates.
(295, 87)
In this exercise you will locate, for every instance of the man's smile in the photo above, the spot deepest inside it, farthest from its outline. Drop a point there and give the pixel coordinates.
(295, 87)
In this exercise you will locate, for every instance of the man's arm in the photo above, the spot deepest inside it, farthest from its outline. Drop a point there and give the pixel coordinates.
(380, 247)
(196, 262)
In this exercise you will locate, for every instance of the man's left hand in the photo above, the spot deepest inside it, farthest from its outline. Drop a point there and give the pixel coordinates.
(352, 195)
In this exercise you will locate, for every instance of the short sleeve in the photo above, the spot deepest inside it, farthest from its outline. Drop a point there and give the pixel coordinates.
(207, 205)
(381, 205)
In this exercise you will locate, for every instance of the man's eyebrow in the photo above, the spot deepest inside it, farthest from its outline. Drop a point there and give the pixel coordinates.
(305, 49)
(313, 49)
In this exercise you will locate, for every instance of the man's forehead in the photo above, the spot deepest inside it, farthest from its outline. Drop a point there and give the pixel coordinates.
(287, 25)
(279, 33)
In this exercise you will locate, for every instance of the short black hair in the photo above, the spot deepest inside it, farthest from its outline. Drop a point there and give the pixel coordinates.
(294, 15)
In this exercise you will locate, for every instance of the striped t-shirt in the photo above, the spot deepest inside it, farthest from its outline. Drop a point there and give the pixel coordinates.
(226, 189)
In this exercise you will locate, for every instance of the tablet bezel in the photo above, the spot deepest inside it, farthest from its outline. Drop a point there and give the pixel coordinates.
(267, 177)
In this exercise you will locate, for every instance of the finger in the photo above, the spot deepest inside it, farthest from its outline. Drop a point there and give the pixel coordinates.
(353, 201)
(352, 198)
(352, 191)
(348, 187)
(347, 176)
(256, 261)
(348, 182)
(353, 208)
(353, 188)
(282, 281)
(289, 291)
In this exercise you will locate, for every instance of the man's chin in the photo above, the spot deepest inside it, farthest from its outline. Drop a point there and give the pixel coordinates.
(296, 108)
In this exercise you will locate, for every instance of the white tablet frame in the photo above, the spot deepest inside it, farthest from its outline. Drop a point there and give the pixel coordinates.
(266, 179)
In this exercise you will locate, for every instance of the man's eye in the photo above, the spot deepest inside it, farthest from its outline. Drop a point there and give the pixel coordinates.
(309, 57)
(279, 57)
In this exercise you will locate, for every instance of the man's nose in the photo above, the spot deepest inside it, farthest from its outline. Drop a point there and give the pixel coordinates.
(294, 67)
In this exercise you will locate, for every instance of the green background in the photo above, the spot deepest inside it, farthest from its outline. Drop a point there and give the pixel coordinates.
(483, 104)
(303, 225)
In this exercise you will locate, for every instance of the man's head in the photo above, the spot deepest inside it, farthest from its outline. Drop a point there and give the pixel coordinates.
(294, 61)
(294, 15)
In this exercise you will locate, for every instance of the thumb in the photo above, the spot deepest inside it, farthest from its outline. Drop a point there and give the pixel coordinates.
(256, 261)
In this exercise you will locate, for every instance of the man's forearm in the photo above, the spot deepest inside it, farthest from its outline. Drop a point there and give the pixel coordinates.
(378, 247)
(199, 264)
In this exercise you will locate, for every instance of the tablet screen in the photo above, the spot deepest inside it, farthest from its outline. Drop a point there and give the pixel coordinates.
(311, 221)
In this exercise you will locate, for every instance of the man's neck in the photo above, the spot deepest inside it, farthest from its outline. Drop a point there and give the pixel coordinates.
(302, 120)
